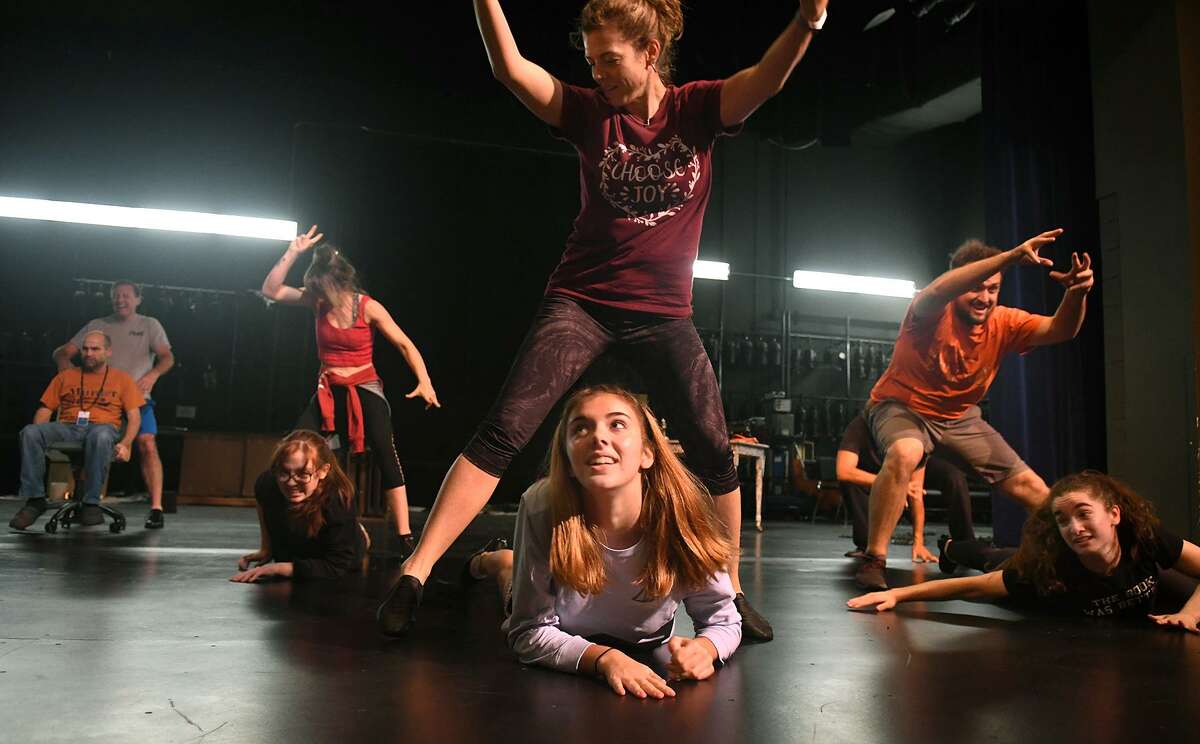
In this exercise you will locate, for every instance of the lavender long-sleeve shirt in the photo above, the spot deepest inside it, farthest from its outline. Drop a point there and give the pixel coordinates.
(549, 624)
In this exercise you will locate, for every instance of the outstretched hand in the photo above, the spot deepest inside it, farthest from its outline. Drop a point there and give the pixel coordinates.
(1028, 252)
(302, 243)
(1080, 278)
(882, 601)
(1190, 623)
(424, 390)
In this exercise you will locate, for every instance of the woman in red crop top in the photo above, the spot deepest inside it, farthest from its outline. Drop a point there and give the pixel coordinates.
(349, 397)
(625, 279)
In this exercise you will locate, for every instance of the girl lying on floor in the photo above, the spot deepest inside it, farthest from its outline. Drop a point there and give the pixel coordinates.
(306, 516)
(1094, 547)
(607, 547)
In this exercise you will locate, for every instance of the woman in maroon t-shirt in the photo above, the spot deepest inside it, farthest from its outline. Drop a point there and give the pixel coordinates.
(625, 278)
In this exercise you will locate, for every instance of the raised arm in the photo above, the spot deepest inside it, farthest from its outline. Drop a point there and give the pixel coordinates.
(62, 355)
(537, 89)
(273, 287)
(942, 291)
(378, 316)
(1068, 318)
(983, 586)
(745, 91)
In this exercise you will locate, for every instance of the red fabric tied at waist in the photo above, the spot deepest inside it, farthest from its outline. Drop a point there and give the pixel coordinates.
(354, 414)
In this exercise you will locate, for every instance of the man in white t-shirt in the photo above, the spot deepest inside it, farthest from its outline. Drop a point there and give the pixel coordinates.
(141, 349)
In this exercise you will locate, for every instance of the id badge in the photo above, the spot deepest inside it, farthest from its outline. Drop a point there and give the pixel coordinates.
(83, 418)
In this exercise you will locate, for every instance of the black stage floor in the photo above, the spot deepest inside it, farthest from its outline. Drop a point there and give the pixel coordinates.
(138, 637)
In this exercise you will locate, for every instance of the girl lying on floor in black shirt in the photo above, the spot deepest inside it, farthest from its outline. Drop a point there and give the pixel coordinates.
(306, 515)
(1094, 547)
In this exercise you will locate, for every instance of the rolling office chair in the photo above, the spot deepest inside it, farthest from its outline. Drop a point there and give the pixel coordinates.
(68, 513)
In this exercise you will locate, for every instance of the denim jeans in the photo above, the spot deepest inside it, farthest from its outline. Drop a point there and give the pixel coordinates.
(98, 443)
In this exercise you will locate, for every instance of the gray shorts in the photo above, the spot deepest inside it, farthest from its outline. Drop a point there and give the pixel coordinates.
(969, 437)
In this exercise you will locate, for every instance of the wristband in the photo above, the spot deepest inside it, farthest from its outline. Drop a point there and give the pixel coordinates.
(596, 663)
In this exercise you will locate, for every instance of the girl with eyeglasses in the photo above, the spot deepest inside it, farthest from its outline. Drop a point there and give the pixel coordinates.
(306, 515)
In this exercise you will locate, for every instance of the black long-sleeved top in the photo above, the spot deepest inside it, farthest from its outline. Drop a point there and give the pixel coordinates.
(335, 550)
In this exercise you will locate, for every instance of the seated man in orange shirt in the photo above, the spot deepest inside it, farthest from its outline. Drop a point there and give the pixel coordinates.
(89, 402)
(949, 349)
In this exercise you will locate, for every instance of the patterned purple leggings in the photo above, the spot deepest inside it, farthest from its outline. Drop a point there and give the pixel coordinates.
(566, 337)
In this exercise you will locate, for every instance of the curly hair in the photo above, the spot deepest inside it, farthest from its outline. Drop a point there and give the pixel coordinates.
(685, 541)
(638, 21)
(1042, 545)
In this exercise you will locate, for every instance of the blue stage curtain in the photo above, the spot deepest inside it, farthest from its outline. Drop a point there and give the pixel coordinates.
(1039, 174)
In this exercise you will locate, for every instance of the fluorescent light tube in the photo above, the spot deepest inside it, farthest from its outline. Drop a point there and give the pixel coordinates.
(872, 285)
(710, 270)
(150, 219)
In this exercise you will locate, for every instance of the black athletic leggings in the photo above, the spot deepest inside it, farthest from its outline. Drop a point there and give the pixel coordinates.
(565, 338)
(377, 425)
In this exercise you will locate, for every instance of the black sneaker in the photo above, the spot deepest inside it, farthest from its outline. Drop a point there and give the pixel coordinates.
(945, 565)
(856, 553)
(398, 611)
(754, 626)
(90, 515)
(28, 513)
(870, 573)
(154, 520)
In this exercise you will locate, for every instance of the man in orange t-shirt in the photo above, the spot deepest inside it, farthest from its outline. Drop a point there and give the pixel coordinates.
(949, 349)
(90, 402)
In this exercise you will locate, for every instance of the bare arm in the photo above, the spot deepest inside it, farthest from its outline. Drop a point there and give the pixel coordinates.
(745, 91)
(945, 288)
(1068, 318)
(273, 287)
(983, 586)
(164, 360)
(133, 422)
(847, 470)
(62, 355)
(1188, 617)
(916, 509)
(42, 415)
(377, 315)
(537, 89)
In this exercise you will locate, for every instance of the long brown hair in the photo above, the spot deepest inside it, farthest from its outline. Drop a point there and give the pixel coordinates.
(330, 273)
(685, 542)
(335, 485)
(1042, 545)
(639, 21)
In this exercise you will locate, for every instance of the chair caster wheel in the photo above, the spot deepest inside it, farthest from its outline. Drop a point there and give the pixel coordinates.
(51, 528)
(115, 527)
